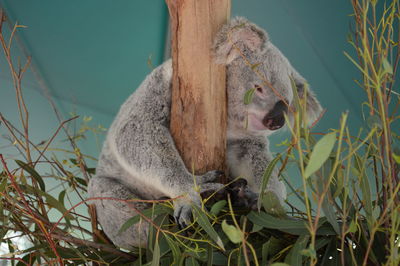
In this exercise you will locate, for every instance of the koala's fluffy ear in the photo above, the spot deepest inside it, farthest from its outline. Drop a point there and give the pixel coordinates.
(313, 107)
(236, 37)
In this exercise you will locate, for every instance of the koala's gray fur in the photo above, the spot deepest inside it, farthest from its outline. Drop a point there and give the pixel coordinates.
(139, 159)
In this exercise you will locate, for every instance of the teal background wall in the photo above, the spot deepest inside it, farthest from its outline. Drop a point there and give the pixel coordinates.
(89, 56)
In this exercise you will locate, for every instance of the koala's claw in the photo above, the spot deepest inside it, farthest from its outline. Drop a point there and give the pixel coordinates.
(211, 187)
(183, 208)
(210, 176)
(242, 196)
(182, 215)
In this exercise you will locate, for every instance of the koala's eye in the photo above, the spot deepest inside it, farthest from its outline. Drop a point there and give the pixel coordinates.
(258, 88)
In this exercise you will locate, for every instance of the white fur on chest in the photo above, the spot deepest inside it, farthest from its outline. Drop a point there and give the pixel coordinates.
(240, 167)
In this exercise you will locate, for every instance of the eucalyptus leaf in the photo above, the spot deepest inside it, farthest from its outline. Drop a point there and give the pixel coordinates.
(217, 207)
(374, 121)
(320, 153)
(295, 257)
(33, 173)
(359, 164)
(291, 226)
(254, 66)
(233, 233)
(190, 261)
(272, 205)
(248, 96)
(387, 68)
(264, 252)
(156, 254)
(3, 185)
(176, 252)
(50, 200)
(204, 223)
(330, 214)
(61, 196)
(150, 212)
(265, 178)
(396, 158)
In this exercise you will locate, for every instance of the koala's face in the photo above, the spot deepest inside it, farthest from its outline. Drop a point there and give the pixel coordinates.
(268, 90)
(254, 63)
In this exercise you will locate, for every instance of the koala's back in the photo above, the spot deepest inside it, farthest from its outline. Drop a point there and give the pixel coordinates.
(148, 107)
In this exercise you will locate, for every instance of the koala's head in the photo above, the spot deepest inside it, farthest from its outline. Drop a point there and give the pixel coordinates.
(254, 63)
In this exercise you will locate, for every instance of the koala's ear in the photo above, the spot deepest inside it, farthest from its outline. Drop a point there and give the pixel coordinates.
(313, 107)
(236, 37)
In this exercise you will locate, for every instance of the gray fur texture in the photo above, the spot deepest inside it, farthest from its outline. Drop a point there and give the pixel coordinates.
(139, 159)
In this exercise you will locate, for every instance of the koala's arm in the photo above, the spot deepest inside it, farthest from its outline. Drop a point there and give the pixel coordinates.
(147, 152)
(248, 158)
(141, 143)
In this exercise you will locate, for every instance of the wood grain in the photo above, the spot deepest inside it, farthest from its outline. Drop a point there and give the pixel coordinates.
(198, 112)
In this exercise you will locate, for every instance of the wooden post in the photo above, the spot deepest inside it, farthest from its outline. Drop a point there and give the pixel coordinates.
(198, 112)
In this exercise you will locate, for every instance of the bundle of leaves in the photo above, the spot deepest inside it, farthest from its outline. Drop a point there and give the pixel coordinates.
(349, 198)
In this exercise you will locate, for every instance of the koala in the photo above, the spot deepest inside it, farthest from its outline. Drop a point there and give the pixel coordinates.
(140, 161)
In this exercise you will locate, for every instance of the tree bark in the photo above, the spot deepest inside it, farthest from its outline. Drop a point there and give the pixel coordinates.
(198, 111)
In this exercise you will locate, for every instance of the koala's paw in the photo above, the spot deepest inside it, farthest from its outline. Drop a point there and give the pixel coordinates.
(183, 206)
(183, 209)
(205, 181)
(210, 176)
(242, 196)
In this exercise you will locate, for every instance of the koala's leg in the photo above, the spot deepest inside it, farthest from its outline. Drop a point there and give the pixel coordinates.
(112, 214)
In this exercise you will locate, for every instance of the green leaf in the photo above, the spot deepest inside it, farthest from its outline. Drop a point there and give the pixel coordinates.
(396, 158)
(150, 212)
(309, 252)
(352, 227)
(233, 233)
(81, 181)
(265, 178)
(295, 256)
(279, 264)
(217, 207)
(272, 205)
(3, 185)
(291, 226)
(256, 228)
(50, 200)
(359, 164)
(61, 196)
(33, 173)
(217, 258)
(29, 259)
(248, 96)
(176, 252)
(374, 121)
(204, 223)
(156, 254)
(320, 153)
(295, 227)
(264, 252)
(254, 66)
(330, 214)
(190, 261)
(387, 68)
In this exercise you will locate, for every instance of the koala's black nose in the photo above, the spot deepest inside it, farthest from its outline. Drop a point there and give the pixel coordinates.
(275, 119)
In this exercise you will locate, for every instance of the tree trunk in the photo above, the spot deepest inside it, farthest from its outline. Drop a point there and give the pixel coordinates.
(198, 111)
